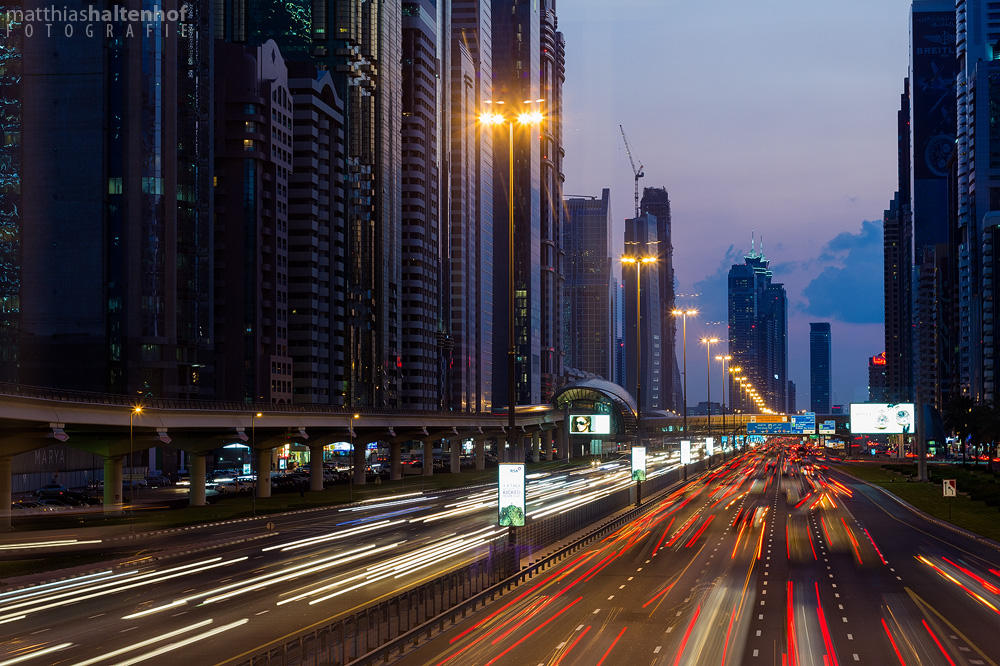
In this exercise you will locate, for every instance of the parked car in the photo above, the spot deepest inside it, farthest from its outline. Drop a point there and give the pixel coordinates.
(51, 490)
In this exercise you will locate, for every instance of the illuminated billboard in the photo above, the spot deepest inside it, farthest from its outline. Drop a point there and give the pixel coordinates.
(510, 495)
(881, 418)
(590, 424)
(638, 463)
(685, 452)
(709, 446)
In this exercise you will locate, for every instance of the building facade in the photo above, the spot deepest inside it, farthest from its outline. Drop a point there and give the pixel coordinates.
(590, 284)
(641, 240)
(877, 376)
(820, 367)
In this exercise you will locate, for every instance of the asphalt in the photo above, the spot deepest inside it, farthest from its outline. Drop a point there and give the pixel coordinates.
(778, 559)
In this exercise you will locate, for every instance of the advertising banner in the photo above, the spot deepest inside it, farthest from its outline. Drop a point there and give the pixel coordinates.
(510, 495)
(709, 446)
(638, 463)
(881, 418)
(685, 452)
(590, 424)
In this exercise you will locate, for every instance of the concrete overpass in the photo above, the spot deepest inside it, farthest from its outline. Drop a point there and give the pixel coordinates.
(34, 418)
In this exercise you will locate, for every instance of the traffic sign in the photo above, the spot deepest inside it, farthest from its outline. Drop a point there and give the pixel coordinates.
(950, 487)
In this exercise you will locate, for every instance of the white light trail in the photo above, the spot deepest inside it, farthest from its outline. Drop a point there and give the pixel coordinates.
(142, 644)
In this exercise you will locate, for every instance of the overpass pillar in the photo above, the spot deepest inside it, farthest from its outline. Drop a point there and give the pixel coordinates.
(536, 445)
(360, 463)
(479, 447)
(428, 463)
(196, 494)
(455, 446)
(547, 444)
(113, 484)
(315, 467)
(564, 451)
(263, 485)
(395, 461)
(5, 488)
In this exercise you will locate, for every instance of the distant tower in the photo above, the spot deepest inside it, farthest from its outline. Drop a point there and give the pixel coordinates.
(819, 367)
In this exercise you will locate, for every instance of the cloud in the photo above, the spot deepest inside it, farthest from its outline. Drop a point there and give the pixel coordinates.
(849, 286)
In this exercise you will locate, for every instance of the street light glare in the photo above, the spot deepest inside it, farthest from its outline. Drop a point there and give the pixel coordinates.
(488, 118)
(628, 260)
(137, 409)
(648, 260)
(259, 415)
(530, 118)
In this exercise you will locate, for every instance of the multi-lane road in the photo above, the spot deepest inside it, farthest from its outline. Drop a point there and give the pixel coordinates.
(774, 559)
(315, 566)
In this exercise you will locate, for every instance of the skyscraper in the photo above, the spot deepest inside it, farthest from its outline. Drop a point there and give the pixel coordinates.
(932, 141)
(978, 171)
(422, 240)
(590, 284)
(641, 240)
(656, 201)
(791, 397)
(897, 234)
(114, 290)
(471, 290)
(819, 367)
(758, 329)
(527, 59)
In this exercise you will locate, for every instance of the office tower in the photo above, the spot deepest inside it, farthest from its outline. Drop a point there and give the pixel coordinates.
(819, 367)
(470, 296)
(790, 397)
(932, 140)
(619, 333)
(656, 201)
(422, 249)
(590, 284)
(877, 378)
(253, 163)
(515, 57)
(640, 240)
(115, 280)
(758, 329)
(317, 240)
(552, 74)
(897, 245)
(11, 211)
(978, 173)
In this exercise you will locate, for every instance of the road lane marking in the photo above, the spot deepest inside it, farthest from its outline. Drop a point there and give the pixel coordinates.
(656, 650)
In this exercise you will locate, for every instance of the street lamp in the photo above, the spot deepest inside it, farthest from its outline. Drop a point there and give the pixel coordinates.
(708, 342)
(253, 460)
(638, 262)
(724, 359)
(684, 315)
(354, 455)
(527, 118)
(135, 411)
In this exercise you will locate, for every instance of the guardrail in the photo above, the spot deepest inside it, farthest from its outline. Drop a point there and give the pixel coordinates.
(386, 630)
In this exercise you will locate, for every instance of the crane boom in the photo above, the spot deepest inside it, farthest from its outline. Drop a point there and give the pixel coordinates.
(636, 171)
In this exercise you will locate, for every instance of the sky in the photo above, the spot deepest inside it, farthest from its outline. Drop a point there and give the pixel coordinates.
(776, 118)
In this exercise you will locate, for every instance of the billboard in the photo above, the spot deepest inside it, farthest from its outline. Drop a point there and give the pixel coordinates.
(590, 424)
(709, 446)
(638, 463)
(685, 452)
(882, 419)
(510, 495)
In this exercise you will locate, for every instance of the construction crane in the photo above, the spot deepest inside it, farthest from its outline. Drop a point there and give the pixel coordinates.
(636, 171)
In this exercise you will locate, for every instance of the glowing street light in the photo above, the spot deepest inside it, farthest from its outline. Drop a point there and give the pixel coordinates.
(684, 314)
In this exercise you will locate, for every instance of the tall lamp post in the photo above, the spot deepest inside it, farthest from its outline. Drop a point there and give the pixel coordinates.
(638, 262)
(683, 314)
(495, 119)
(253, 460)
(708, 342)
(724, 360)
(135, 411)
(354, 455)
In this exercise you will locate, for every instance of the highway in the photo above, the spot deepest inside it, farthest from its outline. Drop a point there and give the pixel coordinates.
(774, 559)
(317, 566)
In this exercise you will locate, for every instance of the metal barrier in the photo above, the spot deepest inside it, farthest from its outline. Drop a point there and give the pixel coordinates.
(386, 630)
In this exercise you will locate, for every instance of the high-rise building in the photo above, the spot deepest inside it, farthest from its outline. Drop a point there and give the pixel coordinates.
(877, 378)
(819, 367)
(590, 284)
(113, 290)
(897, 235)
(422, 248)
(527, 57)
(619, 332)
(932, 141)
(790, 397)
(758, 329)
(253, 163)
(656, 201)
(11, 211)
(641, 240)
(317, 240)
(978, 194)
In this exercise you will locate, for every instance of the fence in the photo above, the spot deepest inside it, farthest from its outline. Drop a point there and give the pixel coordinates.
(387, 629)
